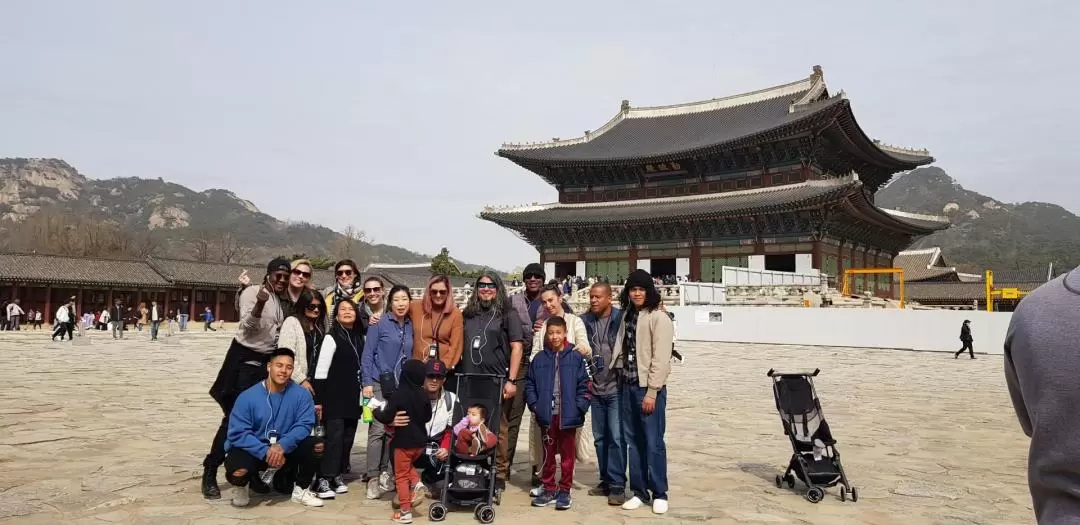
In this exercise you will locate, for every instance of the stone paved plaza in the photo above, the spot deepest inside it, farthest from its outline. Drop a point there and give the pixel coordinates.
(102, 432)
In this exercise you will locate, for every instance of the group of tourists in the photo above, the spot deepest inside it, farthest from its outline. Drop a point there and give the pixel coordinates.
(306, 368)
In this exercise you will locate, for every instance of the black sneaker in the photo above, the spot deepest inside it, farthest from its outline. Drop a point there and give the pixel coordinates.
(563, 501)
(210, 488)
(599, 490)
(616, 498)
(535, 480)
(544, 499)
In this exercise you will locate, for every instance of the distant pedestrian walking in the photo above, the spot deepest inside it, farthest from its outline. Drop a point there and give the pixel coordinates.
(208, 319)
(965, 337)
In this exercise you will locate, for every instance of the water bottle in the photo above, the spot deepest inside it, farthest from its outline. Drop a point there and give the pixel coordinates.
(267, 476)
(320, 431)
(367, 416)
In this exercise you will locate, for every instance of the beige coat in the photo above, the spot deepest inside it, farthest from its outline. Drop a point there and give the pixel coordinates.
(654, 338)
(575, 333)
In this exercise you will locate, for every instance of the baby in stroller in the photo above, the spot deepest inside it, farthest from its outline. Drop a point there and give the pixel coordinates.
(469, 479)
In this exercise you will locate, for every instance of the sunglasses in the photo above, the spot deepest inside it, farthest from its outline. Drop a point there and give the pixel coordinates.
(439, 292)
(344, 273)
(485, 286)
(373, 290)
(312, 307)
(277, 276)
(534, 276)
(305, 275)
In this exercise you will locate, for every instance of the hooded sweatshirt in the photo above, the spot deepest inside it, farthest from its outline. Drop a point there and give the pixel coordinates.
(1041, 369)
(411, 398)
(257, 411)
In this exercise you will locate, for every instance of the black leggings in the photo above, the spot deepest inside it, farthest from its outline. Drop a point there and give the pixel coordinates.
(967, 346)
(340, 435)
(304, 459)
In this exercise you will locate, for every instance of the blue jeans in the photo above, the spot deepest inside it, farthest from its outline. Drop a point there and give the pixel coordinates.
(183, 322)
(644, 435)
(608, 438)
(154, 325)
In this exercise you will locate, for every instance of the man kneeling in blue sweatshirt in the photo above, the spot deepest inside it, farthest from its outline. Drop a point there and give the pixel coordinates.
(270, 427)
(557, 393)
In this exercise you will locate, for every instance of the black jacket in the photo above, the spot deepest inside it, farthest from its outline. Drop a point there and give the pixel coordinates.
(411, 398)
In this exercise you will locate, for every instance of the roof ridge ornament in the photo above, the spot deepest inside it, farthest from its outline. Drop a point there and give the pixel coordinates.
(900, 149)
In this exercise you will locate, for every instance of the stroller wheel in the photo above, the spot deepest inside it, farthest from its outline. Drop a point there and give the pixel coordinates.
(436, 512)
(486, 514)
(791, 481)
(779, 481)
(843, 493)
(854, 494)
(815, 494)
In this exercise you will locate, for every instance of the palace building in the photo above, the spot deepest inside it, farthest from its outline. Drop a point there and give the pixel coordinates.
(777, 179)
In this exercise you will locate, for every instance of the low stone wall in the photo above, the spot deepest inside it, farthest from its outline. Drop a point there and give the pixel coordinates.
(930, 330)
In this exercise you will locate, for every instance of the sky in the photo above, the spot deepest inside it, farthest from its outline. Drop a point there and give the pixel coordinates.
(386, 115)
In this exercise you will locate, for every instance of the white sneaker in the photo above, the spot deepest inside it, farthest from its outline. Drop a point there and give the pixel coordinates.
(306, 497)
(659, 506)
(418, 493)
(339, 485)
(240, 496)
(633, 503)
(386, 482)
(373, 490)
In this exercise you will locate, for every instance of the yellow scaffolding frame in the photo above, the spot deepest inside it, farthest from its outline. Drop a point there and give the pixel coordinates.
(846, 289)
(1004, 293)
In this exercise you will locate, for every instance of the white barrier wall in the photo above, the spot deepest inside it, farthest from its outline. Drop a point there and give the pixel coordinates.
(936, 330)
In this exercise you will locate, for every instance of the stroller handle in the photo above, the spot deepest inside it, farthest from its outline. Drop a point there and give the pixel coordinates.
(774, 373)
(478, 374)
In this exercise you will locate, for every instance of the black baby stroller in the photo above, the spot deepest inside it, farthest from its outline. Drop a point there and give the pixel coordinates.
(469, 481)
(815, 461)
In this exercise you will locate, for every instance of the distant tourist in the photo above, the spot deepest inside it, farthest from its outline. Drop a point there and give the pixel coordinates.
(156, 315)
(644, 347)
(184, 316)
(144, 317)
(1041, 367)
(39, 319)
(208, 320)
(117, 316)
(244, 365)
(269, 429)
(965, 338)
(14, 315)
(65, 320)
(103, 319)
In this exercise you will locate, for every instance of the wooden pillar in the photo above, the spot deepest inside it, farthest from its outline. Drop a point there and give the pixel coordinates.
(815, 257)
(165, 307)
(46, 316)
(632, 254)
(695, 261)
(191, 305)
(217, 304)
(138, 299)
(111, 301)
(79, 302)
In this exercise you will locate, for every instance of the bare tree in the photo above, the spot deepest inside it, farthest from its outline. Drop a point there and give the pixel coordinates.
(233, 250)
(203, 243)
(350, 243)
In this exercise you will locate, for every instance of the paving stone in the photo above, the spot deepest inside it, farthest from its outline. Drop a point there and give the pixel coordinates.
(118, 429)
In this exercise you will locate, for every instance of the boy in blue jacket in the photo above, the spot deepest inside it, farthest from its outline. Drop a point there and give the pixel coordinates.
(557, 393)
(269, 428)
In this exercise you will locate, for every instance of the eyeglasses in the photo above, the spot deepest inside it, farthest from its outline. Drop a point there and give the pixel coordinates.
(344, 273)
(312, 307)
(305, 275)
(373, 290)
(485, 286)
(534, 276)
(439, 293)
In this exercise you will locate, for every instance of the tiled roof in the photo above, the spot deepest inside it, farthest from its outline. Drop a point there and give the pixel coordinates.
(78, 271)
(671, 131)
(745, 202)
(203, 273)
(958, 291)
(923, 265)
(1022, 275)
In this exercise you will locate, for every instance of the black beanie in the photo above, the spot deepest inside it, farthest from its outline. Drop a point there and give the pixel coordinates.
(640, 278)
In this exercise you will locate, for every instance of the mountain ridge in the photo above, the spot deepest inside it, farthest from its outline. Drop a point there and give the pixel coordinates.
(47, 206)
(986, 232)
